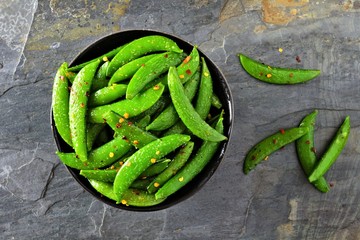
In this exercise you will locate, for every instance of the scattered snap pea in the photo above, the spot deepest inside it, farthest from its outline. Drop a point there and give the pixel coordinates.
(107, 95)
(151, 70)
(155, 169)
(128, 108)
(276, 75)
(93, 131)
(203, 101)
(140, 47)
(267, 146)
(332, 153)
(129, 69)
(100, 80)
(187, 113)
(306, 153)
(60, 104)
(215, 101)
(177, 163)
(144, 158)
(193, 167)
(78, 106)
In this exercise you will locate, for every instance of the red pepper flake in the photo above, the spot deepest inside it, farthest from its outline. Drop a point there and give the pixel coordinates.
(86, 83)
(118, 125)
(166, 55)
(82, 105)
(188, 72)
(130, 123)
(307, 142)
(87, 94)
(298, 59)
(261, 73)
(274, 141)
(331, 184)
(313, 150)
(181, 76)
(143, 65)
(282, 131)
(187, 59)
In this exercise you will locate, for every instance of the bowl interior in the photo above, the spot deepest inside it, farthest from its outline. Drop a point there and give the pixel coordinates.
(221, 88)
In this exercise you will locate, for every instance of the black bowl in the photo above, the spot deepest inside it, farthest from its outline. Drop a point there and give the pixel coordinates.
(221, 88)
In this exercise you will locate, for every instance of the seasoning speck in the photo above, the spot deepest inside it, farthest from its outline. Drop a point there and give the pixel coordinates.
(153, 160)
(281, 50)
(181, 179)
(156, 87)
(181, 76)
(124, 201)
(268, 75)
(111, 154)
(126, 115)
(157, 152)
(121, 120)
(156, 184)
(298, 59)
(105, 59)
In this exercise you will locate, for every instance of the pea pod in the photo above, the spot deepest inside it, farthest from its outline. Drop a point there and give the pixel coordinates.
(107, 95)
(332, 153)
(143, 158)
(131, 197)
(155, 169)
(193, 167)
(140, 47)
(141, 184)
(93, 131)
(100, 80)
(129, 69)
(187, 113)
(60, 104)
(203, 101)
(215, 101)
(151, 70)
(177, 163)
(276, 75)
(264, 148)
(99, 157)
(128, 108)
(305, 150)
(169, 116)
(78, 107)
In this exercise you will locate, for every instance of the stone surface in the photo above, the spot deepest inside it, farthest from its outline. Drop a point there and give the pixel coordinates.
(39, 198)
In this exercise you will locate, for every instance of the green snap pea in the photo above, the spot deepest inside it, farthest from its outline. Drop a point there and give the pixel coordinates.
(187, 113)
(178, 127)
(144, 158)
(128, 108)
(151, 70)
(141, 184)
(155, 109)
(104, 57)
(276, 75)
(203, 101)
(215, 101)
(60, 104)
(140, 47)
(264, 148)
(93, 131)
(193, 167)
(128, 131)
(169, 116)
(129, 69)
(78, 106)
(107, 95)
(306, 153)
(155, 169)
(131, 197)
(106, 175)
(177, 163)
(332, 153)
(100, 80)
(99, 157)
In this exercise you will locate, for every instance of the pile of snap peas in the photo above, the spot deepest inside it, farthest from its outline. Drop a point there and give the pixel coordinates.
(142, 120)
(303, 135)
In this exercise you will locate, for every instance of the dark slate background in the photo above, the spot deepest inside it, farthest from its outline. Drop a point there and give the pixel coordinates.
(40, 200)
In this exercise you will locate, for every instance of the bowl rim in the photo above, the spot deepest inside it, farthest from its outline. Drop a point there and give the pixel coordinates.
(219, 155)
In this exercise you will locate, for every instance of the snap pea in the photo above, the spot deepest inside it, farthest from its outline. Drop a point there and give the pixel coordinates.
(78, 106)
(203, 101)
(99, 157)
(60, 104)
(155, 109)
(177, 163)
(127, 130)
(144, 158)
(193, 167)
(155, 169)
(169, 116)
(107, 95)
(187, 113)
(139, 47)
(178, 127)
(106, 175)
(128, 108)
(100, 80)
(265, 147)
(129, 69)
(141, 184)
(93, 131)
(151, 70)
(131, 197)
(333, 151)
(276, 75)
(106, 56)
(215, 101)
(305, 150)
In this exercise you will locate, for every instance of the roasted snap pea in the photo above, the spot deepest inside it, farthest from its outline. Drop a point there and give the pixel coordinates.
(60, 104)
(306, 153)
(128, 108)
(267, 146)
(177, 163)
(93, 131)
(129, 69)
(131, 197)
(169, 116)
(203, 101)
(140, 47)
(99, 157)
(143, 158)
(107, 95)
(193, 167)
(187, 113)
(78, 106)
(276, 75)
(100, 80)
(333, 151)
(151, 70)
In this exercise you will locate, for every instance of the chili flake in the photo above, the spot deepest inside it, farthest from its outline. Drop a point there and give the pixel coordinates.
(181, 179)
(111, 154)
(188, 72)
(157, 152)
(266, 158)
(121, 120)
(181, 76)
(156, 87)
(282, 131)
(124, 201)
(307, 142)
(156, 184)
(135, 142)
(82, 105)
(281, 50)
(153, 160)
(268, 75)
(126, 115)
(187, 59)
(105, 59)
(206, 74)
